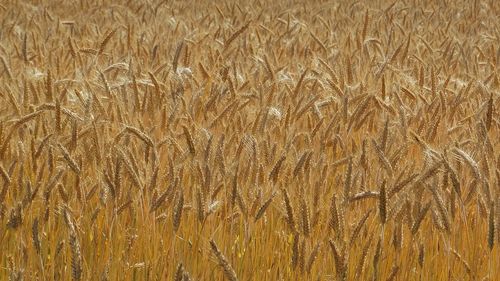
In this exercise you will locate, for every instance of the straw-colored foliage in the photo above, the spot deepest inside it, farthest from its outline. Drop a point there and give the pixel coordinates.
(249, 140)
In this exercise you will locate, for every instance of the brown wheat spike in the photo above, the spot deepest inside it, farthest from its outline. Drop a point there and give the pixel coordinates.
(177, 214)
(497, 213)
(200, 198)
(186, 277)
(290, 218)
(365, 26)
(35, 236)
(6, 67)
(106, 84)
(358, 228)
(71, 162)
(340, 266)
(336, 221)
(420, 217)
(376, 259)
(421, 255)
(312, 257)
(269, 68)
(161, 198)
(76, 257)
(383, 159)
(455, 183)
(17, 124)
(105, 41)
(141, 135)
(15, 216)
(433, 82)
(382, 206)
(469, 161)
(274, 174)
(58, 116)
(234, 188)
(5, 175)
(48, 87)
(14, 102)
(397, 237)
(235, 35)
(228, 270)
(179, 272)
(132, 171)
(177, 54)
(428, 173)
(189, 140)
(489, 113)
(304, 211)
(348, 181)
(491, 227)
(74, 137)
(28, 117)
(302, 256)
(394, 273)
(441, 208)
(263, 208)
(295, 251)
(362, 260)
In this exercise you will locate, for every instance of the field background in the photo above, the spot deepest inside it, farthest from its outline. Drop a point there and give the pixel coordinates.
(249, 140)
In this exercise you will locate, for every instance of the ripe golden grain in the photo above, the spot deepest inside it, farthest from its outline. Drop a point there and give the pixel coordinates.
(157, 127)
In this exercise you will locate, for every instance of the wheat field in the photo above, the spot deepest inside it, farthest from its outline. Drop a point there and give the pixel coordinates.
(249, 140)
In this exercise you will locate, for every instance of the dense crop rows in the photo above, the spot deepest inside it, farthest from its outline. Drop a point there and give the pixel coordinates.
(249, 140)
